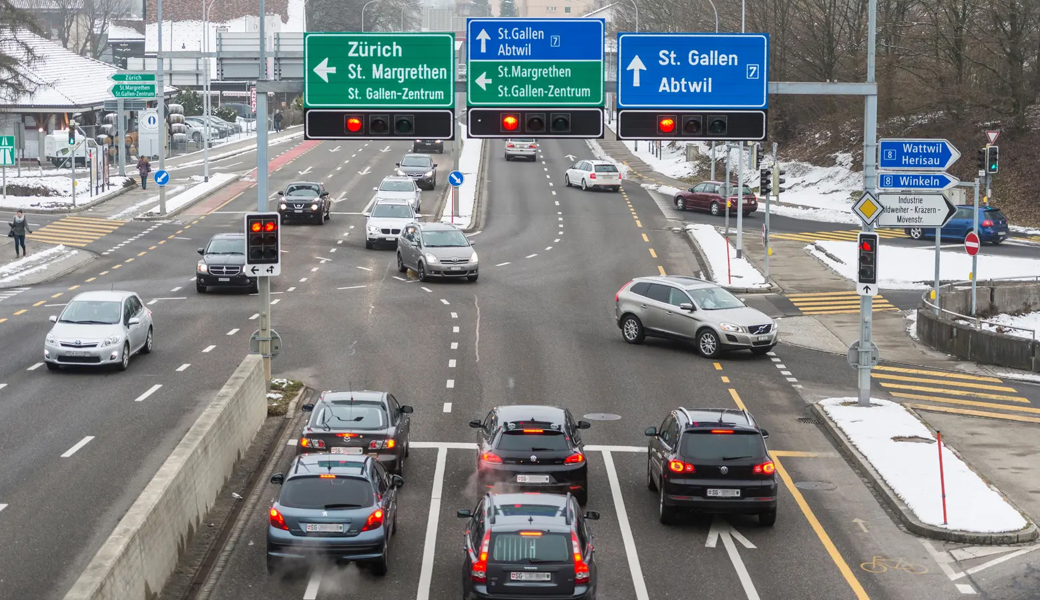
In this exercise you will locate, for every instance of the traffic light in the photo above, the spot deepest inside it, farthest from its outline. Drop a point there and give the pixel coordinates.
(72, 133)
(755, 156)
(503, 123)
(746, 125)
(765, 180)
(263, 245)
(778, 179)
(326, 124)
(868, 251)
(992, 158)
(980, 159)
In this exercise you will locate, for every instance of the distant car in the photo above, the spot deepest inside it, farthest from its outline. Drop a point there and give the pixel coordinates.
(428, 146)
(386, 220)
(223, 264)
(710, 196)
(436, 250)
(519, 542)
(400, 187)
(711, 460)
(521, 148)
(99, 329)
(305, 201)
(358, 422)
(694, 310)
(421, 168)
(591, 174)
(532, 448)
(993, 226)
(218, 128)
(333, 507)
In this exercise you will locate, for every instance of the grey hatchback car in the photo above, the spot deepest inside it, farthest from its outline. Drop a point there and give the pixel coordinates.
(436, 250)
(691, 309)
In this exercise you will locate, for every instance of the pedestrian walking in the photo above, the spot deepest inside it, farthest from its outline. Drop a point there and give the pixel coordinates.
(278, 121)
(19, 227)
(144, 168)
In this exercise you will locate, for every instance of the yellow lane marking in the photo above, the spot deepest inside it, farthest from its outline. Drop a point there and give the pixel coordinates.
(40, 302)
(638, 224)
(103, 273)
(89, 280)
(2, 320)
(725, 379)
(129, 260)
(74, 287)
(975, 413)
(142, 253)
(170, 237)
(113, 223)
(152, 248)
(847, 311)
(1026, 409)
(652, 253)
(180, 231)
(187, 226)
(851, 294)
(58, 294)
(921, 388)
(718, 366)
(967, 384)
(795, 453)
(21, 312)
(660, 269)
(161, 242)
(736, 398)
(116, 266)
(645, 239)
(821, 302)
(939, 374)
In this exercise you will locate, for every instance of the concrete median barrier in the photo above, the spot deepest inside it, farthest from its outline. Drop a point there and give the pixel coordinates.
(143, 550)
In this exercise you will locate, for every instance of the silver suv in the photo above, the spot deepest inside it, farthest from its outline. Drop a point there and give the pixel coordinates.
(691, 309)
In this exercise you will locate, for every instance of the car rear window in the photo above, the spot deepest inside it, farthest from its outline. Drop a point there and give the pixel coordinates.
(546, 441)
(606, 169)
(705, 445)
(535, 546)
(318, 492)
(351, 415)
(994, 213)
(397, 186)
(392, 211)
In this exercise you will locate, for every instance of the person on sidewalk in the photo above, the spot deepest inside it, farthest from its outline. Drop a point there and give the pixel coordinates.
(278, 121)
(19, 227)
(144, 168)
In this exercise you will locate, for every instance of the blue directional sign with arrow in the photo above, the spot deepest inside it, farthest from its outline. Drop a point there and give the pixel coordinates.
(916, 181)
(916, 155)
(693, 71)
(162, 178)
(455, 178)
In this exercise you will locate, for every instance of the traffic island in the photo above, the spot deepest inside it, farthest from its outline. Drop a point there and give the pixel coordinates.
(717, 256)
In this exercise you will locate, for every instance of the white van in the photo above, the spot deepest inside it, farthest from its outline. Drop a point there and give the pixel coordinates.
(57, 149)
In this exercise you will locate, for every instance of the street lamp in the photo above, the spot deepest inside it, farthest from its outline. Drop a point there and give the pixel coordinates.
(363, 13)
(635, 6)
(716, 15)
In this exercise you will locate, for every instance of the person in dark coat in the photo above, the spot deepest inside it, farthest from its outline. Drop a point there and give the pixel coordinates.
(19, 227)
(144, 168)
(278, 121)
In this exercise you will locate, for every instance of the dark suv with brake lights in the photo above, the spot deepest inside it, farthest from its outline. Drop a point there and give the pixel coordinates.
(711, 460)
(532, 448)
(362, 422)
(341, 508)
(528, 546)
(223, 264)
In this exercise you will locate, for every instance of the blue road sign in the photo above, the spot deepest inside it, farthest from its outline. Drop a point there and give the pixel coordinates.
(455, 178)
(916, 181)
(162, 178)
(693, 70)
(916, 155)
(534, 39)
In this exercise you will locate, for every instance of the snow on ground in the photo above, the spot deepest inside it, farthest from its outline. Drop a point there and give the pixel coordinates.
(194, 193)
(667, 190)
(822, 187)
(904, 452)
(734, 271)
(825, 215)
(35, 262)
(601, 154)
(1024, 230)
(216, 154)
(1030, 323)
(469, 165)
(188, 35)
(914, 268)
(136, 209)
(62, 185)
(911, 324)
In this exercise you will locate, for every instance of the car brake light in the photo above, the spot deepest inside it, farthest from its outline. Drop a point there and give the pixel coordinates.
(531, 533)
(766, 468)
(617, 296)
(491, 457)
(592, 175)
(509, 145)
(374, 520)
(347, 435)
(581, 570)
(478, 573)
(987, 223)
(310, 443)
(722, 431)
(277, 520)
(678, 466)
(327, 476)
(380, 444)
(575, 459)
(534, 431)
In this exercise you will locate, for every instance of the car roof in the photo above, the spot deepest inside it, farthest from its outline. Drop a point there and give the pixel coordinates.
(531, 412)
(392, 200)
(683, 281)
(418, 154)
(335, 464)
(431, 226)
(525, 510)
(227, 236)
(102, 295)
(292, 183)
(352, 396)
(397, 178)
(600, 162)
(713, 417)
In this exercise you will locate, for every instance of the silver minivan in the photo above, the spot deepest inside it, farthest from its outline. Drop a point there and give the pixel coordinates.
(436, 250)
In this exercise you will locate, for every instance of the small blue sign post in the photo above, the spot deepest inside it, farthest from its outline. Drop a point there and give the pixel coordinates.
(916, 155)
(455, 178)
(162, 178)
(916, 181)
(693, 71)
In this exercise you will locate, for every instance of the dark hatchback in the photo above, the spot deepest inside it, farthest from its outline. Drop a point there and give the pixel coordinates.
(532, 448)
(223, 264)
(712, 461)
(521, 546)
(421, 168)
(993, 226)
(428, 146)
(358, 423)
(342, 508)
(304, 201)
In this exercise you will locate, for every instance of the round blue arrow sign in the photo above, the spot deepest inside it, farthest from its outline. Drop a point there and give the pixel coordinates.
(162, 178)
(455, 178)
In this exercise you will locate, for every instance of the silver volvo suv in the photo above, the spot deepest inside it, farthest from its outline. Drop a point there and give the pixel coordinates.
(691, 309)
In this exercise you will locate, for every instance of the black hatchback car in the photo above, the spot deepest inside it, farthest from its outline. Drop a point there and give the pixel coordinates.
(304, 201)
(342, 508)
(532, 448)
(223, 264)
(713, 461)
(528, 546)
(421, 168)
(358, 423)
(428, 145)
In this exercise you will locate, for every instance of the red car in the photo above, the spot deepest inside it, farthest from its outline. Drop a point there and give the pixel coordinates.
(710, 196)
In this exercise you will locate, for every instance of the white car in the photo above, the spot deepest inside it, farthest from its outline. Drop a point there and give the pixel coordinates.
(588, 174)
(399, 188)
(386, 220)
(525, 148)
(99, 329)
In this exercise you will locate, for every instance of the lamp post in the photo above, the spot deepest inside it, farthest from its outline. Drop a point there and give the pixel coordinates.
(363, 13)
(206, 7)
(636, 6)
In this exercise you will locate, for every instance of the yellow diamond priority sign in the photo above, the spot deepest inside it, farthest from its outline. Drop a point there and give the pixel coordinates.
(868, 209)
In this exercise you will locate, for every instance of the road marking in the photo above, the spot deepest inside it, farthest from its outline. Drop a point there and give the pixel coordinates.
(661, 269)
(426, 289)
(316, 268)
(302, 279)
(254, 317)
(531, 255)
(965, 588)
(21, 312)
(183, 367)
(455, 329)
(976, 413)
(430, 544)
(2, 507)
(447, 409)
(784, 372)
(454, 345)
(502, 264)
(451, 363)
(151, 390)
(547, 248)
(60, 293)
(454, 315)
(89, 280)
(40, 302)
(722, 529)
(451, 383)
(78, 445)
(292, 289)
(626, 528)
(797, 454)
(233, 331)
(638, 224)
(207, 349)
(275, 301)
(352, 287)
(736, 398)
(311, 593)
(652, 253)
(35, 366)
(645, 239)
(333, 249)
(443, 301)
(725, 379)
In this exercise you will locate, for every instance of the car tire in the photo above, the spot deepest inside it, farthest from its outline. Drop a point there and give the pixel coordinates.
(507, 157)
(916, 233)
(761, 350)
(124, 361)
(997, 241)
(650, 483)
(368, 245)
(715, 209)
(708, 343)
(273, 564)
(767, 518)
(256, 288)
(394, 530)
(582, 496)
(632, 330)
(407, 449)
(472, 278)
(200, 288)
(584, 186)
(616, 188)
(566, 180)
(148, 342)
(400, 264)
(382, 565)
(665, 514)
(52, 366)
(680, 204)
(421, 271)
(196, 137)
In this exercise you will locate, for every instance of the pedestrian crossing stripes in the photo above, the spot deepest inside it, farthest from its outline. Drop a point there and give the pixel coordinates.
(841, 236)
(5, 294)
(75, 231)
(955, 393)
(835, 303)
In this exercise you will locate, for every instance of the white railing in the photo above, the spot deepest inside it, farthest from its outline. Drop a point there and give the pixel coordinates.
(975, 321)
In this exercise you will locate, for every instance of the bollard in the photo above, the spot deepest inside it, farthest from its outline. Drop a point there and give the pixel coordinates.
(942, 477)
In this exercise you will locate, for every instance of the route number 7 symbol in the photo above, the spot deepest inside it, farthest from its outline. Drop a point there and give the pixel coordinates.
(752, 71)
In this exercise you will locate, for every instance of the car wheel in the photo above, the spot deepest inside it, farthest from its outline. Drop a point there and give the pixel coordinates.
(407, 449)
(582, 496)
(761, 350)
(52, 366)
(708, 343)
(916, 233)
(715, 209)
(368, 245)
(584, 186)
(382, 565)
(394, 530)
(421, 271)
(400, 264)
(997, 241)
(472, 278)
(507, 157)
(566, 180)
(256, 288)
(650, 483)
(767, 518)
(666, 514)
(147, 348)
(616, 188)
(124, 362)
(200, 288)
(196, 137)
(680, 204)
(632, 330)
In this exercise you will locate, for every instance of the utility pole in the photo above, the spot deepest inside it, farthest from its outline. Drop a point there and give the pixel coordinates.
(866, 302)
(740, 202)
(713, 161)
(728, 195)
(121, 132)
(264, 283)
(160, 90)
(775, 190)
(974, 257)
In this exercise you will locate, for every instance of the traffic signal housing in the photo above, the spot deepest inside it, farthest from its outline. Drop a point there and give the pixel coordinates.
(504, 123)
(992, 158)
(328, 124)
(263, 239)
(765, 181)
(778, 180)
(737, 125)
(980, 159)
(72, 133)
(868, 252)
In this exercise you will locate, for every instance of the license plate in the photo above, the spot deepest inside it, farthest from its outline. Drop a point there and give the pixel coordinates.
(521, 576)
(298, 210)
(223, 279)
(454, 268)
(532, 479)
(76, 353)
(323, 527)
(762, 338)
(390, 239)
(345, 450)
(712, 493)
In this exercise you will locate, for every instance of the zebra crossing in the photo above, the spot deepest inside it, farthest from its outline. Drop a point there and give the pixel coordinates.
(955, 393)
(850, 235)
(10, 292)
(75, 231)
(835, 303)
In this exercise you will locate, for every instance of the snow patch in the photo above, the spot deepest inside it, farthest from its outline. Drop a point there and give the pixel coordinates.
(1002, 323)
(61, 185)
(911, 325)
(194, 193)
(34, 263)
(715, 247)
(469, 165)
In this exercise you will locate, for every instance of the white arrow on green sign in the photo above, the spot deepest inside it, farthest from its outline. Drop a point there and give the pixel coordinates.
(6, 150)
(132, 90)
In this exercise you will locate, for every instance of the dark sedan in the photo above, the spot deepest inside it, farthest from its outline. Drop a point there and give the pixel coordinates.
(419, 167)
(223, 264)
(710, 196)
(360, 422)
(428, 146)
(305, 201)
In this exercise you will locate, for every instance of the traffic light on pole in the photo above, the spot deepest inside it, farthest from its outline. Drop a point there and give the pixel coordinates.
(980, 159)
(72, 133)
(868, 252)
(666, 125)
(755, 155)
(765, 181)
(503, 123)
(263, 245)
(747, 125)
(778, 179)
(328, 124)
(992, 158)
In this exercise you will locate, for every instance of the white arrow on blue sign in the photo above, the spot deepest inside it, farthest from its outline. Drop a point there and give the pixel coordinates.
(162, 178)
(455, 178)
(916, 155)
(916, 181)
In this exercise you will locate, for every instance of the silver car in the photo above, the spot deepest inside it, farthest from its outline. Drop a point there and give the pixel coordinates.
(691, 309)
(436, 250)
(400, 187)
(386, 220)
(522, 148)
(99, 328)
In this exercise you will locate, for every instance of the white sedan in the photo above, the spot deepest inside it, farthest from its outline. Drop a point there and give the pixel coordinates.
(403, 188)
(588, 174)
(102, 328)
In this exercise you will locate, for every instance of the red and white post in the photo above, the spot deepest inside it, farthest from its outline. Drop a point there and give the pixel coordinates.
(942, 476)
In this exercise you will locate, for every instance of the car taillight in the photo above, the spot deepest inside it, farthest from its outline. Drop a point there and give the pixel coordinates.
(617, 296)
(491, 457)
(346, 435)
(678, 466)
(592, 175)
(581, 570)
(375, 520)
(987, 223)
(311, 443)
(575, 459)
(722, 431)
(534, 431)
(533, 146)
(766, 468)
(381, 444)
(509, 145)
(277, 520)
(478, 573)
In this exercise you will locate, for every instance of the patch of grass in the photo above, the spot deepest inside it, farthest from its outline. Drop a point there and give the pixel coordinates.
(281, 394)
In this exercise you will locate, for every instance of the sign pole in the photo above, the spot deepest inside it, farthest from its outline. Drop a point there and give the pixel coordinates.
(264, 283)
(726, 207)
(5, 183)
(713, 161)
(121, 132)
(72, 162)
(975, 257)
(938, 242)
(740, 202)
(866, 302)
(776, 184)
(161, 97)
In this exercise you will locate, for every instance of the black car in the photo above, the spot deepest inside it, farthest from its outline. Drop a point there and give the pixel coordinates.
(713, 461)
(428, 146)
(419, 167)
(532, 448)
(223, 264)
(360, 422)
(339, 508)
(305, 201)
(528, 546)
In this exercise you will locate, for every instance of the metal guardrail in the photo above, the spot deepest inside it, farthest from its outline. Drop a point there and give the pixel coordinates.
(977, 322)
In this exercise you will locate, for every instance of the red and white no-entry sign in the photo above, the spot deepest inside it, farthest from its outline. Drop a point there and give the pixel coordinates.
(971, 243)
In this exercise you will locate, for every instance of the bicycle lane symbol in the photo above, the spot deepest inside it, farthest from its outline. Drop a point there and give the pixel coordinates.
(880, 564)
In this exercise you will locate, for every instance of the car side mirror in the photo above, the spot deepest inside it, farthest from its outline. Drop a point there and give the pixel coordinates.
(324, 194)
(690, 190)
(584, 425)
(202, 250)
(278, 479)
(765, 433)
(687, 307)
(134, 321)
(307, 407)
(366, 213)
(476, 424)
(472, 243)
(434, 165)
(281, 192)
(396, 481)
(398, 164)
(53, 318)
(464, 513)
(592, 515)
(407, 409)
(651, 432)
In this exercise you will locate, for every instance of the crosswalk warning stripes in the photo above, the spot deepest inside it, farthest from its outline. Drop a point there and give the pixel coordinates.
(75, 231)
(955, 393)
(5, 294)
(840, 236)
(835, 303)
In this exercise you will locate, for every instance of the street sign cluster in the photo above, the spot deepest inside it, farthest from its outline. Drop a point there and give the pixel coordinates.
(912, 178)
(134, 86)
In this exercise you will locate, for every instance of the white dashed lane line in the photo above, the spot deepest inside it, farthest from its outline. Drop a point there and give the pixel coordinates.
(35, 366)
(454, 345)
(447, 409)
(531, 255)
(3, 506)
(365, 268)
(183, 367)
(443, 301)
(233, 331)
(451, 383)
(254, 317)
(455, 329)
(77, 447)
(276, 301)
(151, 390)
(426, 289)
(208, 349)
(451, 363)
(502, 264)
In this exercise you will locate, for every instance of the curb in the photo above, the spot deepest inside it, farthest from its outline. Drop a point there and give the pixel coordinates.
(906, 516)
(81, 207)
(476, 221)
(820, 249)
(179, 210)
(92, 256)
(699, 255)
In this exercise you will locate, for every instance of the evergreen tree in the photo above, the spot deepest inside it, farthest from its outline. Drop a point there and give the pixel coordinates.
(16, 54)
(191, 101)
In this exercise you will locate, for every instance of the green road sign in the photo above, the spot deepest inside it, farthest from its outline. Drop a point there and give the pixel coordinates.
(379, 70)
(132, 77)
(6, 150)
(132, 90)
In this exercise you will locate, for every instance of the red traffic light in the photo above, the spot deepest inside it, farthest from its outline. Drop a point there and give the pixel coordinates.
(666, 124)
(510, 122)
(255, 226)
(354, 124)
(270, 226)
(865, 246)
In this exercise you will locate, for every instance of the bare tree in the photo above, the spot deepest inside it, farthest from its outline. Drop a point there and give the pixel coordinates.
(97, 16)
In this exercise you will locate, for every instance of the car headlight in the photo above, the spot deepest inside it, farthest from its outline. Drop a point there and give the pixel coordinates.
(314, 207)
(401, 173)
(431, 259)
(282, 206)
(201, 268)
(474, 258)
(732, 327)
(50, 338)
(429, 173)
(776, 325)
(372, 228)
(111, 340)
